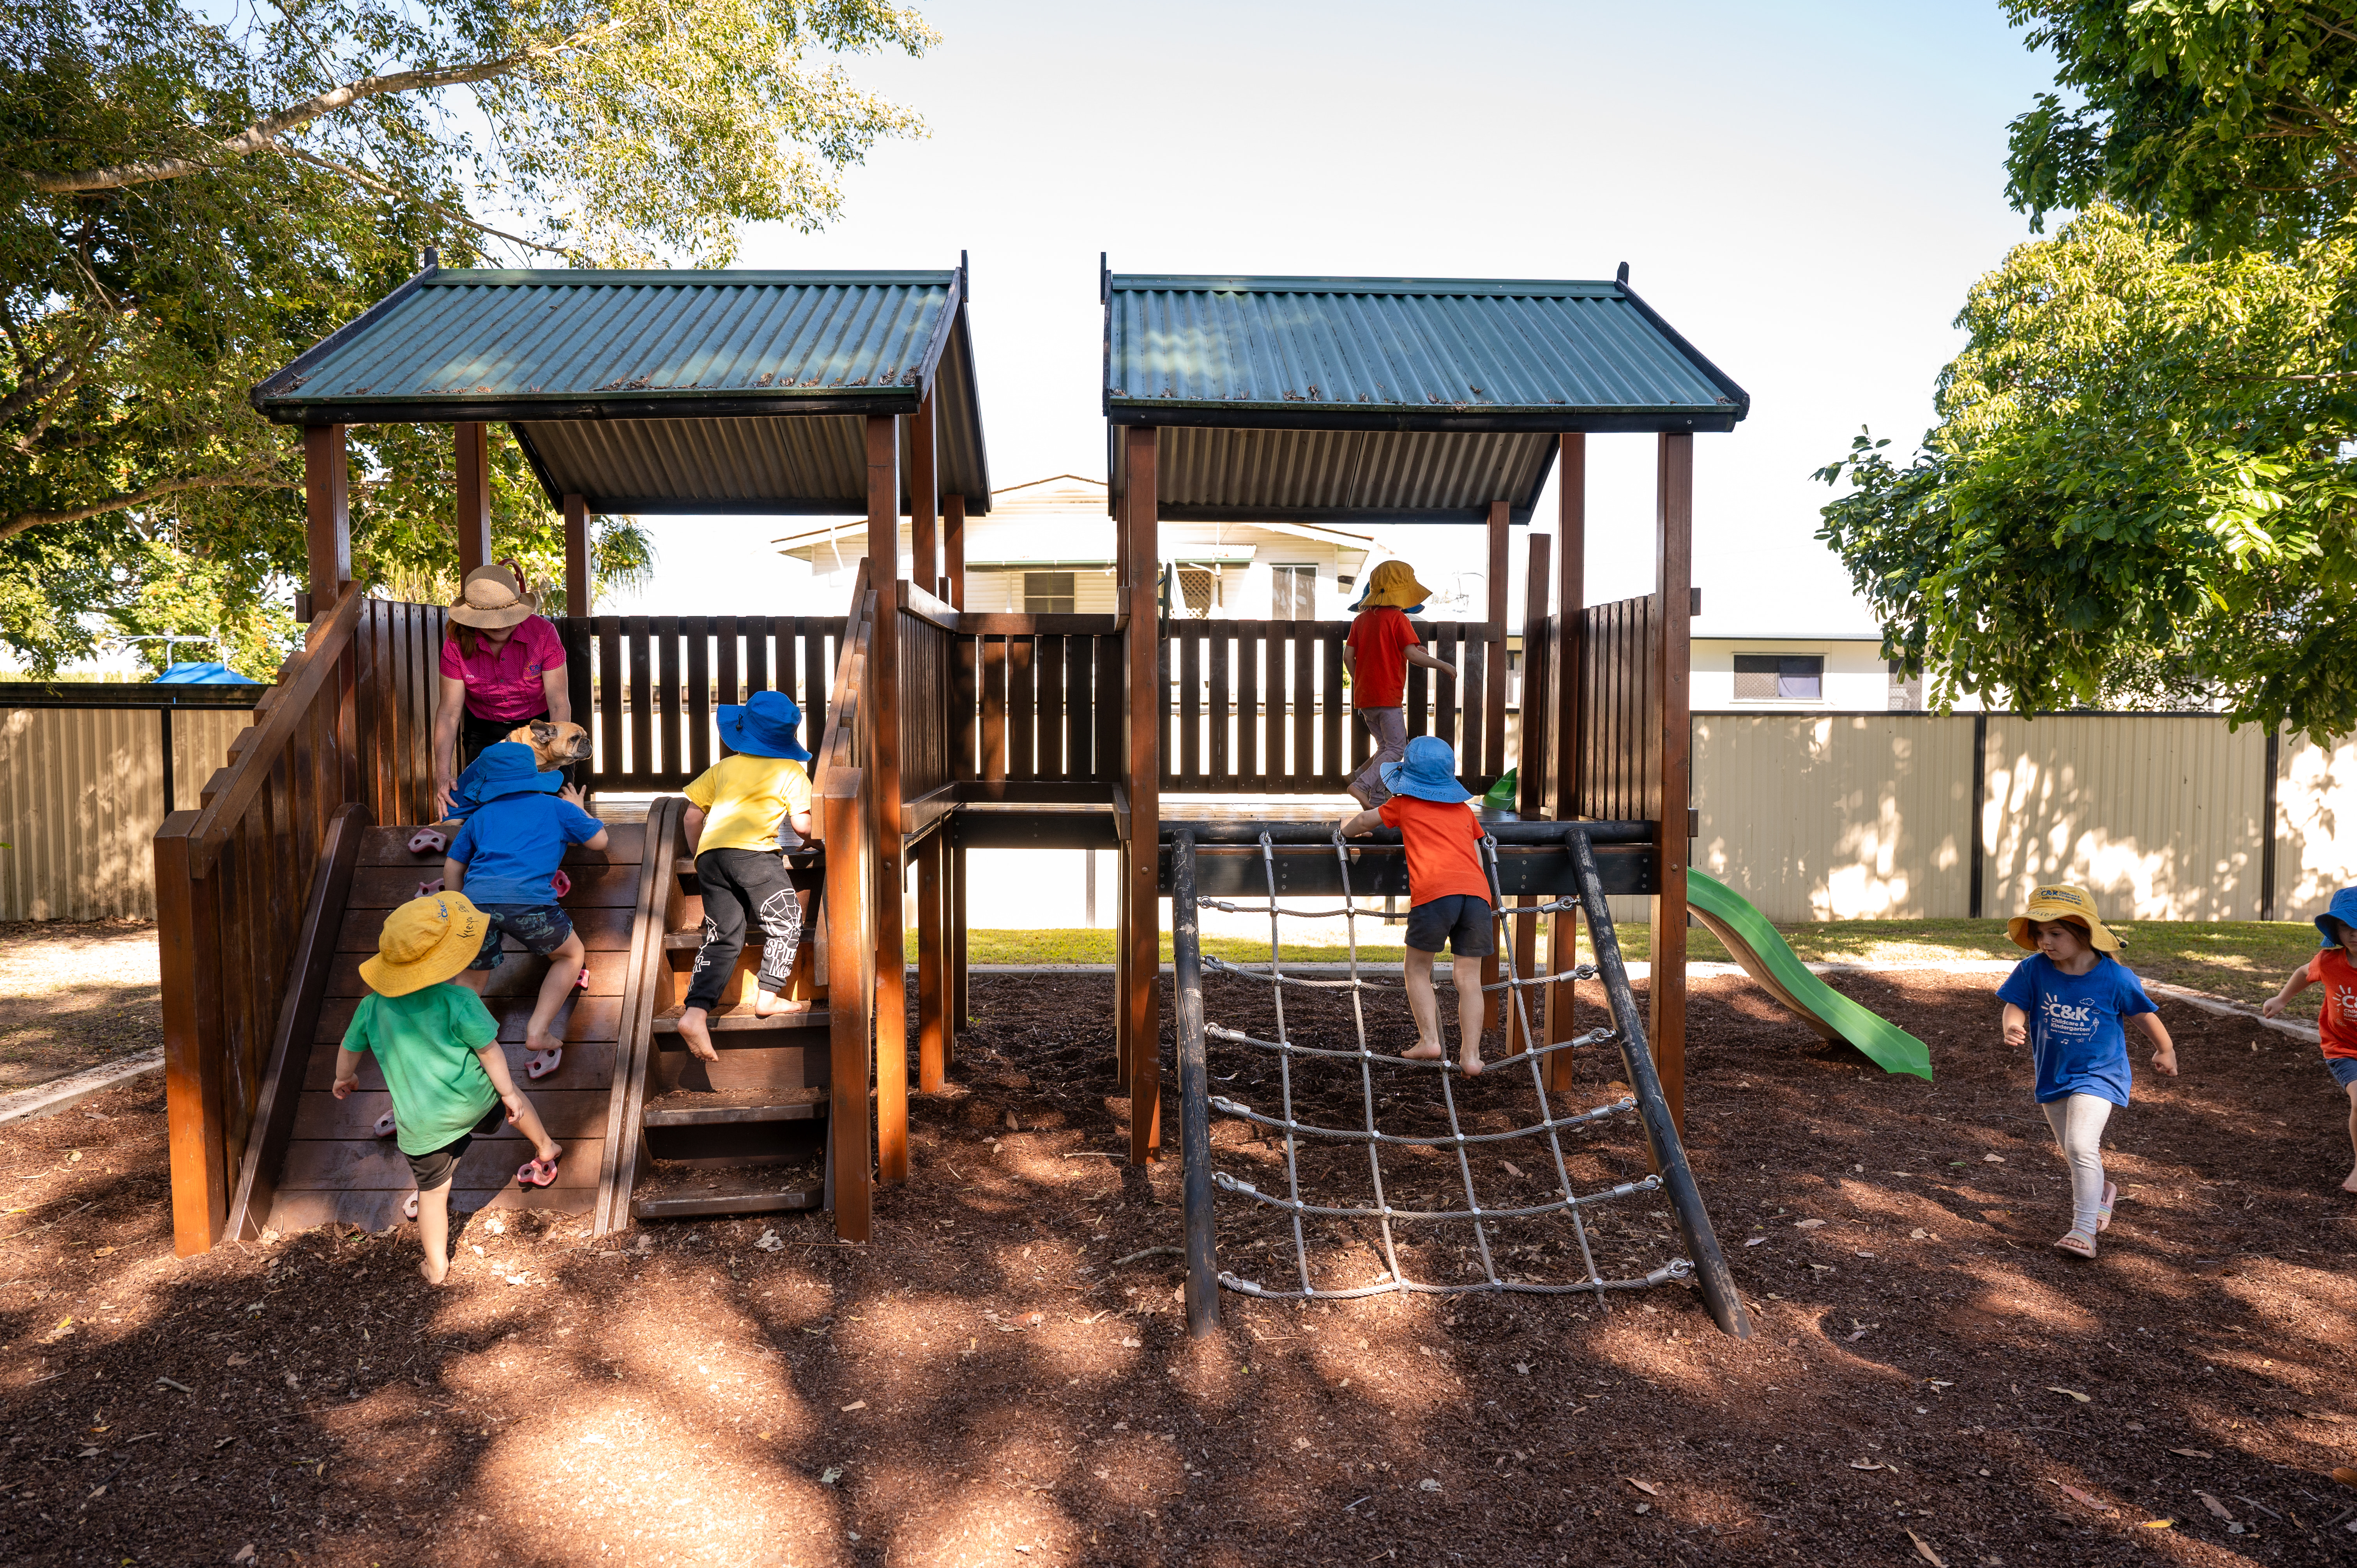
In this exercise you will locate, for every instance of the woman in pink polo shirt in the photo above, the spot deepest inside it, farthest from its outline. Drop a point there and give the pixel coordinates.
(502, 666)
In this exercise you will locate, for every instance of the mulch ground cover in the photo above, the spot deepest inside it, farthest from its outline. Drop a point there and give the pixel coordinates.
(1001, 1376)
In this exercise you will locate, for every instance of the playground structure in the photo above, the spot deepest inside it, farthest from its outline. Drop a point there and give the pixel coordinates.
(935, 730)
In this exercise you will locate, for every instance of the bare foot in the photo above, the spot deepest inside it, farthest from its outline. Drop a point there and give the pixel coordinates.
(433, 1275)
(768, 1005)
(1425, 1051)
(536, 1040)
(1468, 1061)
(2350, 1184)
(698, 1037)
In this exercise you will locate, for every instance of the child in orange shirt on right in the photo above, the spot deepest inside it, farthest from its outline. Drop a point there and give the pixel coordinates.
(1447, 891)
(2336, 1020)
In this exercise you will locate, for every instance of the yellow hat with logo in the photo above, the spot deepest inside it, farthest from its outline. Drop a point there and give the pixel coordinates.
(426, 942)
(2073, 904)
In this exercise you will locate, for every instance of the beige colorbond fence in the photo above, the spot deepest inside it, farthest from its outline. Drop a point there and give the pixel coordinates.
(2163, 817)
(82, 792)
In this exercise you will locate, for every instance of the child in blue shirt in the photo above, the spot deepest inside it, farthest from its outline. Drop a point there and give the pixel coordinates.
(2070, 1003)
(505, 860)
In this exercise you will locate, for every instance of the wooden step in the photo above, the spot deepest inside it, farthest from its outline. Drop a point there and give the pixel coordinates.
(670, 1192)
(690, 1108)
(728, 1020)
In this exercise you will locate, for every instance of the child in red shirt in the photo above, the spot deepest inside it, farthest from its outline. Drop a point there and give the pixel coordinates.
(1381, 647)
(1448, 890)
(2336, 1020)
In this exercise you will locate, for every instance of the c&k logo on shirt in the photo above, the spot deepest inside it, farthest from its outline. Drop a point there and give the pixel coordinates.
(2344, 1001)
(2066, 1018)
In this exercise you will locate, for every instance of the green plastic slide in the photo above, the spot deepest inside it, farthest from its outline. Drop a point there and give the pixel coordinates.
(1766, 958)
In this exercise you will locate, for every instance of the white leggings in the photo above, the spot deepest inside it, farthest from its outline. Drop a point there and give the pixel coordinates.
(2078, 1124)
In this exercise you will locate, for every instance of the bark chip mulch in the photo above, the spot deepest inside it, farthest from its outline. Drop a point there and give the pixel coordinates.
(1003, 1376)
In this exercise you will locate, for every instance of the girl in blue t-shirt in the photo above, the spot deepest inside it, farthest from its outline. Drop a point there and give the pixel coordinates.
(2070, 1003)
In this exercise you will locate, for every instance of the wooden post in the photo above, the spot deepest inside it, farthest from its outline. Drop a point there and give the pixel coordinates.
(1672, 671)
(1141, 1004)
(577, 596)
(881, 712)
(953, 551)
(1530, 798)
(328, 518)
(474, 497)
(933, 993)
(1493, 696)
(845, 829)
(924, 492)
(1571, 590)
(956, 902)
(187, 949)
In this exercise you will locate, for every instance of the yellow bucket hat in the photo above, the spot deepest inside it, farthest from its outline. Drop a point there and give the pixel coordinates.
(426, 942)
(1393, 585)
(2071, 904)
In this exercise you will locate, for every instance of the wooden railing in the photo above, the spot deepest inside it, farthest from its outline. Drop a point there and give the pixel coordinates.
(1616, 744)
(646, 685)
(241, 883)
(1261, 707)
(845, 814)
(1036, 698)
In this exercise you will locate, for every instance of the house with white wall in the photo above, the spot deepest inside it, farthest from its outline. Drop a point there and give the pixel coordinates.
(1046, 548)
(1838, 672)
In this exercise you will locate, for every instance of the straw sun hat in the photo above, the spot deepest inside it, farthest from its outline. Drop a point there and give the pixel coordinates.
(2071, 904)
(1393, 585)
(493, 597)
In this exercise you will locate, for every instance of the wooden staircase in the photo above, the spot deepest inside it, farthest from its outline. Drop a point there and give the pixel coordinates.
(748, 1133)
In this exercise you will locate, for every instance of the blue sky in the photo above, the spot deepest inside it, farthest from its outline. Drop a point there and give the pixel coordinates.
(1805, 191)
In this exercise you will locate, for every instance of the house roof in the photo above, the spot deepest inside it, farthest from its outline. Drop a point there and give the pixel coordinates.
(1403, 400)
(657, 390)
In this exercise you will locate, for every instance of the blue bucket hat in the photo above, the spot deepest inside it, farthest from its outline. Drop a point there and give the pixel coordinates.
(764, 726)
(507, 767)
(2343, 909)
(1428, 772)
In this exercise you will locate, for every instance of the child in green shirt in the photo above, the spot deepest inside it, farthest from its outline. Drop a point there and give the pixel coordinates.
(438, 1049)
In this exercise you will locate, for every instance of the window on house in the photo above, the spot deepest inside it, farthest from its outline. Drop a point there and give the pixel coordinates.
(1906, 692)
(1293, 593)
(1780, 677)
(1047, 593)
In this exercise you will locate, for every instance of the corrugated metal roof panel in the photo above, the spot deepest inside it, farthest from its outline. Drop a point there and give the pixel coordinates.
(683, 370)
(1386, 399)
(1444, 353)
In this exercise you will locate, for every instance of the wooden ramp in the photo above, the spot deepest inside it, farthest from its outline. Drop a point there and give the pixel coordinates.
(314, 1158)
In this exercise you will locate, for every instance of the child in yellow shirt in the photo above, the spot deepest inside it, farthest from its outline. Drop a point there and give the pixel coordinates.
(741, 810)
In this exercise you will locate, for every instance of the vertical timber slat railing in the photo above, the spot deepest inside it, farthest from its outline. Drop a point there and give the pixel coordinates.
(1616, 750)
(1261, 707)
(347, 724)
(1029, 699)
(649, 688)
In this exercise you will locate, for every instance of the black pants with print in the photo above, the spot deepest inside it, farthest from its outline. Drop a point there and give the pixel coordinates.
(744, 887)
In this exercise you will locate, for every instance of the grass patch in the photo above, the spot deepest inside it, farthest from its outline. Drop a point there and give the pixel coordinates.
(2244, 960)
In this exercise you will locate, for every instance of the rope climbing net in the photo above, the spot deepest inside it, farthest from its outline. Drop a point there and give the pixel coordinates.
(1383, 1077)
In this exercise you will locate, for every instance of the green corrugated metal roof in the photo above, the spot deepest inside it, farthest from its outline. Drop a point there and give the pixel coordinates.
(651, 391)
(1370, 400)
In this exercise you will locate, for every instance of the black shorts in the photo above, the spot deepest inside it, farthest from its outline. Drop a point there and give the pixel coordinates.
(1458, 920)
(435, 1169)
(541, 928)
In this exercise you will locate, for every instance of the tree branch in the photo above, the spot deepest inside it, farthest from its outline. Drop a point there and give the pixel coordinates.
(18, 525)
(362, 177)
(265, 133)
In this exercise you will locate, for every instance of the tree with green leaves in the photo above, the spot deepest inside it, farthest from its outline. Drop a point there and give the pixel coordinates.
(2234, 120)
(195, 196)
(2135, 493)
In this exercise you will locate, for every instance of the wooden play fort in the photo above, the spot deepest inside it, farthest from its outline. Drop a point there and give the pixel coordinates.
(936, 730)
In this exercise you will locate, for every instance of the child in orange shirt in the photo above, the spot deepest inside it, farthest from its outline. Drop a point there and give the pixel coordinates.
(1381, 645)
(2336, 1021)
(1448, 890)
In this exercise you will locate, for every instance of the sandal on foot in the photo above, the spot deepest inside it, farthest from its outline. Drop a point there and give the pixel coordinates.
(540, 1064)
(409, 1207)
(427, 841)
(538, 1172)
(2077, 1243)
(2104, 1209)
(385, 1128)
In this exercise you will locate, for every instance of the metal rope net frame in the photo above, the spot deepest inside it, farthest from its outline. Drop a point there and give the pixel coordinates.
(1702, 1264)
